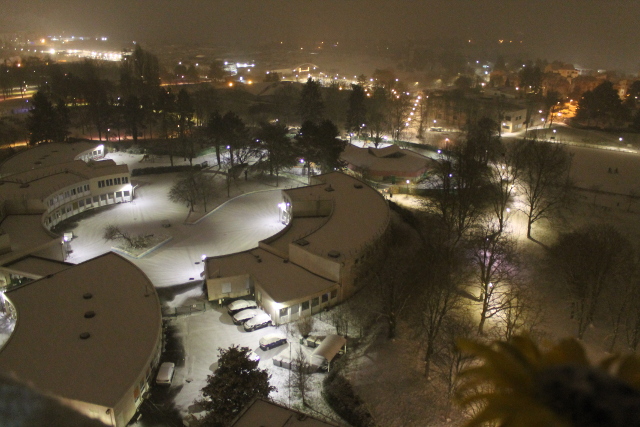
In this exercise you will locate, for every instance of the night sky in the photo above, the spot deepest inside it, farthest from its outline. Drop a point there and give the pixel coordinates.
(591, 33)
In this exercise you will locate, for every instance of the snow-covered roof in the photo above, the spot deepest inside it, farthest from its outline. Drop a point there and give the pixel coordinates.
(35, 266)
(44, 155)
(268, 414)
(388, 161)
(40, 182)
(108, 298)
(359, 215)
(282, 280)
(327, 349)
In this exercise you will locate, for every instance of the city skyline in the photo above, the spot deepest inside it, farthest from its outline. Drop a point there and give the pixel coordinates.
(590, 34)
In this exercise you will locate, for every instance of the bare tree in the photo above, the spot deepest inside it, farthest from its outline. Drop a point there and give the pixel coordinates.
(632, 315)
(185, 190)
(590, 260)
(623, 309)
(301, 375)
(544, 179)
(304, 325)
(442, 271)
(458, 180)
(521, 314)
(450, 361)
(399, 108)
(113, 232)
(395, 279)
(502, 176)
(493, 256)
(192, 188)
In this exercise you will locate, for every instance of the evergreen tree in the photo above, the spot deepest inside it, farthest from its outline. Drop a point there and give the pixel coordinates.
(235, 383)
(280, 150)
(47, 123)
(357, 112)
(311, 107)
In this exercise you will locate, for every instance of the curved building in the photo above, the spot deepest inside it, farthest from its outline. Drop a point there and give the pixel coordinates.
(60, 181)
(89, 335)
(332, 227)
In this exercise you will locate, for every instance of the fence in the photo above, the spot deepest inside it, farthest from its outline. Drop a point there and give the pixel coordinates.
(185, 310)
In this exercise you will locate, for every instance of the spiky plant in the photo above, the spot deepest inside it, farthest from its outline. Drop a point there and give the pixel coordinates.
(516, 384)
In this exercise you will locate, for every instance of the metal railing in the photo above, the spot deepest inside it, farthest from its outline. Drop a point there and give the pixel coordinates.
(185, 310)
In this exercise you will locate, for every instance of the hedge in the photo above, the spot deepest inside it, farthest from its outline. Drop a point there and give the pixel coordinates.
(339, 394)
(164, 169)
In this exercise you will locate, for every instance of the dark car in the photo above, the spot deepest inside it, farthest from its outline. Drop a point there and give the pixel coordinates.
(272, 341)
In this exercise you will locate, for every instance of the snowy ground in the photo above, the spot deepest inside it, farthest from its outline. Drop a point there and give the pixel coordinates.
(235, 226)
(202, 335)
(252, 216)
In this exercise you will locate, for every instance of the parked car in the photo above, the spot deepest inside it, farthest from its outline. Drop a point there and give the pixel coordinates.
(242, 316)
(258, 321)
(272, 341)
(253, 356)
(240, 305)
(165, 373)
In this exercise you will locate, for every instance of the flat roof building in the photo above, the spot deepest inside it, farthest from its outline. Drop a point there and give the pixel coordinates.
(331, 228)
(58, 181)
(88, 334)
(269, 414)
(389, 163)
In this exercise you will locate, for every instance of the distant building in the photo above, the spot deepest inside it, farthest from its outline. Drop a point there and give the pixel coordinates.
(43, 181)
(333, 226)
(391, 163)
(514, 120)
(89, 335)
(502, 93)
(568, 71)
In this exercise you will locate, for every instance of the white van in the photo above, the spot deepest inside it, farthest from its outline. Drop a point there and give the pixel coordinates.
(165, 373)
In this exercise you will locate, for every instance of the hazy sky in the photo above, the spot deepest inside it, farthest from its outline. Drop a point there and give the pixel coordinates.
(595, 33)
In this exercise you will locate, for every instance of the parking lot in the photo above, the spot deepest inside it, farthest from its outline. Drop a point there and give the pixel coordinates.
(193, 343)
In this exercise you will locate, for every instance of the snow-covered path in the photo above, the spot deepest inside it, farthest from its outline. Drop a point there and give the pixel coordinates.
(237, 225)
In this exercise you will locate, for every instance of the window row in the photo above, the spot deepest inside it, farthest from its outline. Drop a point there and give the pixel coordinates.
(60, 198)
(113, 181)
(88, 203)
(305, 305)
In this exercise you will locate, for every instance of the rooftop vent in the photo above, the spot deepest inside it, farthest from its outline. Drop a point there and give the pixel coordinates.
(302, 242)
(90, 314)
(358, 186)
(88, 295)
(329, 188)
(334, 254)
(85, 335)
